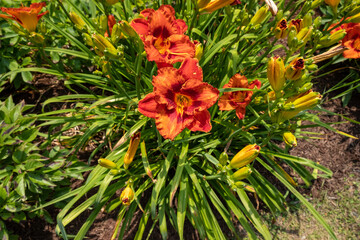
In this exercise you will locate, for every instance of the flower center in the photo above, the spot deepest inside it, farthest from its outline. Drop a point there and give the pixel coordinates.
(299, 64)
(182, 102)
(240, 97)
(162, 45)
(283, 24)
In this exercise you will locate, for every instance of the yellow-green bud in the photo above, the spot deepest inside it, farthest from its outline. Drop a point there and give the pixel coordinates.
(111, 2)
(77, 20)
(106, 163)
(223, 158)
(260, 15)
(304, 36)
(241, 174)
(245, 156)
(290, 139)
(87, 39)
(334, 38)
(127, 196)
(275, 73)
(198, 50)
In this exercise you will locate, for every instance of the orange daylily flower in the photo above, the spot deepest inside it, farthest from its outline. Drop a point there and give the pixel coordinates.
(27, 17)
(163, 36)
(240, 99)
(180, 100)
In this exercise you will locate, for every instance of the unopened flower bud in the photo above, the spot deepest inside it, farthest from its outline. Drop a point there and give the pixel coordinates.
(295, 69)
(223, 158)
(304, 35)
(77, 20)
(243, 185)
(241, 174)
(260, 16)
(103, 23)
(303, 101)
(87, 39)
(198, 50)
(127, 196)
(334, 38)
(116, 33)
(133, 146)
(245, 156)
(106, 163)
(275, 73)
(289, 139)
(307, 20)
(111, 2)
(281, 29)
(355, 18)
(316, 3)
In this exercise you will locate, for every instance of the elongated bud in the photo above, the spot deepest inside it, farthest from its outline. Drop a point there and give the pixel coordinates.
(116, 33)
(332, 3)
(198, 50)
(303, 101)
(355, 18)
(79, 23)
(296, 24)
(127, 29)
(260, 15)
(245, 156)
(127, 196)
(295, 69)
(223, 158)
(103, 23)
(211, 6)
(275, 73)
(87, 39)
(307, 20)
(111, 2)
(289, 139)
(334, 38)
(133, 146)
(245, 186)
(316, 3)
(106, 163)
(241, 174)
(281, 30)
(304, 36)
(101, 42)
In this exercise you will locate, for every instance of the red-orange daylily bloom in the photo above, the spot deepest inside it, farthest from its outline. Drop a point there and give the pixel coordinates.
(240, 99)
(180, 100)
(163, 36)
(27, 17)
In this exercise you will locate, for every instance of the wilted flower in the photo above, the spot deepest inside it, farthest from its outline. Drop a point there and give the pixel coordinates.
(180, 100)
(237, 100)
(163, 36)
(27, 17)
(295, 69)
(245, 156)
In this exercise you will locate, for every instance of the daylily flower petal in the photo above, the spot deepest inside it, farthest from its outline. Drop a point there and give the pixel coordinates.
(141, 26)
(201, 122)
(148, 106)
(190, 69)
(202, 95)
(240, 112)
(225, 102)
(170, 123)
(180, 48)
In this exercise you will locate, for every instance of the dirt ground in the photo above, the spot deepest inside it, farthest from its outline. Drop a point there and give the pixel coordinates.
(337, 199)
